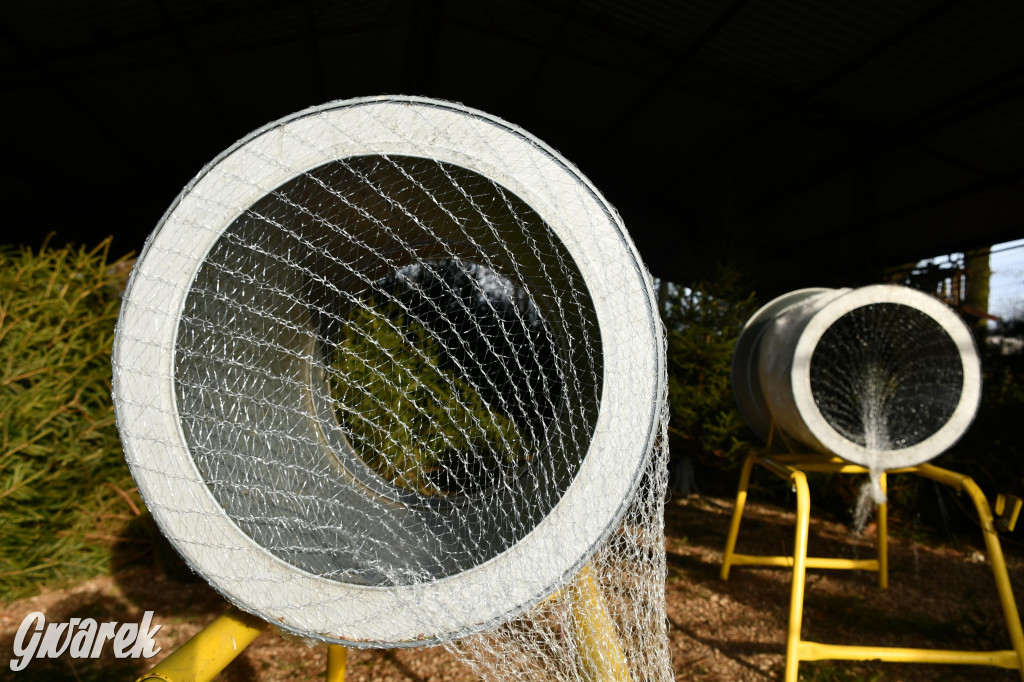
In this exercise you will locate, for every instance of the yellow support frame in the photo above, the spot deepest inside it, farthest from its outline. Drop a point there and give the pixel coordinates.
(203, 657)
(210, 650)
(603, 658)
(794, 468)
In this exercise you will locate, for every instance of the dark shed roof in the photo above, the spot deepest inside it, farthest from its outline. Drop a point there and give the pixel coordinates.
(815, 142)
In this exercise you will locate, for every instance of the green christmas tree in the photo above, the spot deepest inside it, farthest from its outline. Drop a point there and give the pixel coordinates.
(703, 323)
(410, 415)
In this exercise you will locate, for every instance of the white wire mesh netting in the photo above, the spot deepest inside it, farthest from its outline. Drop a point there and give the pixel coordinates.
(388, 373)
(886, 376)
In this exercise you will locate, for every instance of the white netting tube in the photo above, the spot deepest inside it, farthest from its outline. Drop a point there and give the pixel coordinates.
(883, 376)
(389, 372)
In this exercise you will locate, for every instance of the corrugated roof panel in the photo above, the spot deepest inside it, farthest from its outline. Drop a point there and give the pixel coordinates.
(992, 140)
(77, 24)
(283, 24)
(779, 151)
(967, 46)
(676, 24)
(524, 20)
(687, 128)
(236, 78)
(51, 46)
(997, 212)
(591, 44)
(786, 94)
(823, 212)
(604, 94)
(500, 71)
(906, 177)
(354, 64)
(794, 44)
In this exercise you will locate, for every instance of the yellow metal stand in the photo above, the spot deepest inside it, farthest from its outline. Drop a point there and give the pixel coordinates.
(203, 657)
(794, 468)
(603, 658)
(337, 662)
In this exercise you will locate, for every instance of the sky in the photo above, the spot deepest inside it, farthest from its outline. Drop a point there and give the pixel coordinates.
(1006, 286)
(1006, 283)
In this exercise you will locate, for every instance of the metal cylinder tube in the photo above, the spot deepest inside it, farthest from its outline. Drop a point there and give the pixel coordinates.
(883, 375)
(388, 371)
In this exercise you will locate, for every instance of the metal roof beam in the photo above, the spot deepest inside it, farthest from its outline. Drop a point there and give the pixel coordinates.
(424, 29)
(43, 66)
(193, 65)
(985, 96)
(314, 51)
(549, 51)
(828, 121)
(1009, 179)
(680, 60)
(140, 36)
(786, 104)
(646, 41)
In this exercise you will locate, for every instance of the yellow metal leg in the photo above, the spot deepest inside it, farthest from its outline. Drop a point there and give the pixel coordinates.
(737, 515)
(1006, 517)
(999, 572)
(796, 601)
(203, 657)
(883, 537)
(603, 658)
(793, 467)
(814, 651)
(337, 660)
(992, 547)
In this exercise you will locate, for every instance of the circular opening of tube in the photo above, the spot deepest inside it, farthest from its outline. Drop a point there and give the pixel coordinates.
(328, 352)
(886, 376)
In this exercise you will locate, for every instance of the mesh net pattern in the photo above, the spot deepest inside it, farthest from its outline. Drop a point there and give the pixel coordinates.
(886, 376)
(548, 642)
(372, 346)
(388, 373)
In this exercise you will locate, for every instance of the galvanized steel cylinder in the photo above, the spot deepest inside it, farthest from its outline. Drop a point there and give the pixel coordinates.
(883, 376)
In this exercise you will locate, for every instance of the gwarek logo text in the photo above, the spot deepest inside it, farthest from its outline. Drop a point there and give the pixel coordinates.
(82, 638)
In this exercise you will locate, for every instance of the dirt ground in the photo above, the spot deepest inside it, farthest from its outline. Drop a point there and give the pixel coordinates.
(735, 630)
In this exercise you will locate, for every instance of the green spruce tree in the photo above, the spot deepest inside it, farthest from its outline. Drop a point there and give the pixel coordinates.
(413, 420)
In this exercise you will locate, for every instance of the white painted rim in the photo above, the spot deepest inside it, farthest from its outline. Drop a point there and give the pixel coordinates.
(945, 317)
(156, 448)
(746, 385)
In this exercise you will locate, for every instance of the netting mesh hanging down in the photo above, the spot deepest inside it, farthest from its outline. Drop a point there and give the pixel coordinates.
(390, 372)
(886, 376)
(883, 376)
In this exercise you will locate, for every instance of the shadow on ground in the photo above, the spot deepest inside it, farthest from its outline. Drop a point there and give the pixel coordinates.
(720, 630)
(736, 629)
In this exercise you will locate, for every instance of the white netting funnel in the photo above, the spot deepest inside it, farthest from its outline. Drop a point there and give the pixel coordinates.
(883, 376)
(390, 372)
